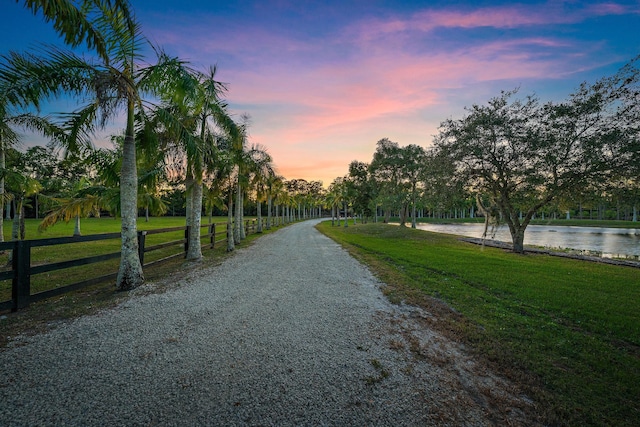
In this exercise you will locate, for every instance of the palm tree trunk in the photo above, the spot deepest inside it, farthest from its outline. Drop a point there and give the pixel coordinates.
(130, 273)
(194, 252)
(259, 208)
(230, 239)
(238, 218)
(346, 221)
(269, 208)
(188, 196)
(243, 231)
(76, 230)
(15, 232)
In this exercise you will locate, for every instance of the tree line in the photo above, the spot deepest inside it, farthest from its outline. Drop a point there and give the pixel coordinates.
(180, 147)
(512, 159)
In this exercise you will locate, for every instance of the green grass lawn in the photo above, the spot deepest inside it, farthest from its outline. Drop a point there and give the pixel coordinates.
(89, 226)
(567, 330)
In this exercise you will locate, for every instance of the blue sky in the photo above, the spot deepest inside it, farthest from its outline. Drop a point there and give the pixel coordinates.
(324, 81)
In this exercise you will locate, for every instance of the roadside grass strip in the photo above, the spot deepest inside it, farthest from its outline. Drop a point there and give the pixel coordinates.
(567, 331)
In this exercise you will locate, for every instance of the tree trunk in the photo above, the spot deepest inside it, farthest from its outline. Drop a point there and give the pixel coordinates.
(517, 239)
(333, 215)
(269, 208)
(413, 209)
(243, 231)
(76, 230)
(230, 239)
(259, 209)
(403, 216)
(194, 251)
(130, 274)
(238, 218)
(346, 222)
(15, 232)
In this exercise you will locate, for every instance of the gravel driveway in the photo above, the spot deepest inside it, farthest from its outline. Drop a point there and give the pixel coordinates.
(290, 331)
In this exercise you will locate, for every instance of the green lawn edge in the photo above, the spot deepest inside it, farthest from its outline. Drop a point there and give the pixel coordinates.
(567, 331)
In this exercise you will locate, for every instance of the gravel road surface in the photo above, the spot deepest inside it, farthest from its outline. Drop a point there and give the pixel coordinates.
(290, 331)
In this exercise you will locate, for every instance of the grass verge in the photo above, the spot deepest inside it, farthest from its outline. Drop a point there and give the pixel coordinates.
(567, 331)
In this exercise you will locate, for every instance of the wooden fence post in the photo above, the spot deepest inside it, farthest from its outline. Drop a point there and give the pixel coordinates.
(21, 285)
(142, 235)
(212, 235)
(186, 243)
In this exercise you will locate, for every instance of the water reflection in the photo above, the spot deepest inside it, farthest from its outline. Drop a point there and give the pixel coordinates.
(609, 242)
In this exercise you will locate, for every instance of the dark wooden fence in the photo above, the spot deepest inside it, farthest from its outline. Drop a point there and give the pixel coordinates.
(22, 269)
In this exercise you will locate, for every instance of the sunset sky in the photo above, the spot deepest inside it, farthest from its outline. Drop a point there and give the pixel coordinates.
(323, 81)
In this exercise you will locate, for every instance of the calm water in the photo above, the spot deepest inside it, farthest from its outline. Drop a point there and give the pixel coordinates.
(609, 242)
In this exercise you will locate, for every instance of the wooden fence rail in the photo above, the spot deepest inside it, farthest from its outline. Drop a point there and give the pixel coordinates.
(22, 269)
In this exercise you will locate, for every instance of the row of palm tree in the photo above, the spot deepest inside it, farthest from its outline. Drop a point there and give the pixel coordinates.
(171, 112)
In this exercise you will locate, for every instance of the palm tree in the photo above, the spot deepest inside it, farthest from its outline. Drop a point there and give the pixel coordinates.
(275, 187)
(78, 21)
(194, 114)
(242, 159)
(224, 171)
(112, 82)
(9, 120)
(80, 203)
(261, 169)
(273, 183)
(208, 106)
(337, 196)
(20, 186)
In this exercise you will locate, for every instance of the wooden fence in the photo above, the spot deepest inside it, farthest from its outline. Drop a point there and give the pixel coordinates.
(22, 269)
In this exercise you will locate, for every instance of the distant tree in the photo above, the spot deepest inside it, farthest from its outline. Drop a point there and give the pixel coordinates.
(413, 163)
(523, 155)
(362, 187)
(386, 170)
(79, 203)
(626, 84)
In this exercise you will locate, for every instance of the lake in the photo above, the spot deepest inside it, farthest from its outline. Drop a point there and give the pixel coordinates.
(608, 242)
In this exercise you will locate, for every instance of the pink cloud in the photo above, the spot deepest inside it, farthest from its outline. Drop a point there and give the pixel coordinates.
(317, 112)
(518, 15)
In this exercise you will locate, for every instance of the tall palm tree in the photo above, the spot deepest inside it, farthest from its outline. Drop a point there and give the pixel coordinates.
(224, 171)
(211, 113)
(20, 186)
(78, 21)
(272, 184)
(114, 81)
(261, 169)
